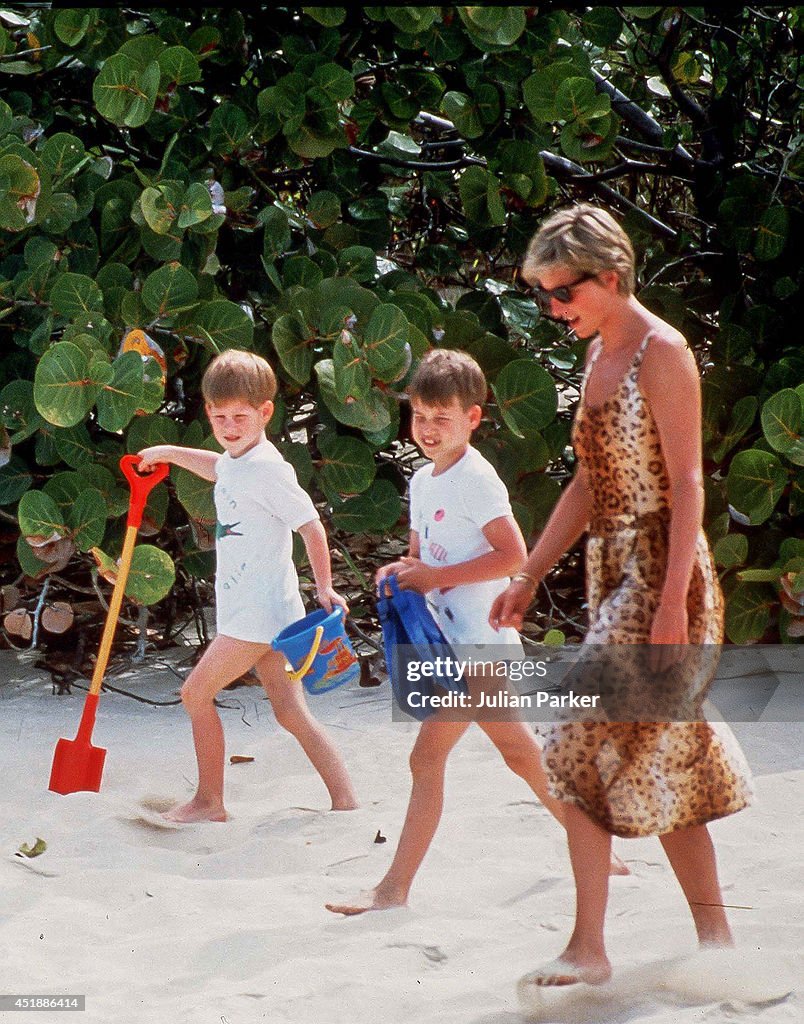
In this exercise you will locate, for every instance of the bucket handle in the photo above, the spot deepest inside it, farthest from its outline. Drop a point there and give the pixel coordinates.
(296, 675)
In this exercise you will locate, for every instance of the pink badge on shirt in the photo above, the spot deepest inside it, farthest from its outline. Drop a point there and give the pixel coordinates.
(439, 515)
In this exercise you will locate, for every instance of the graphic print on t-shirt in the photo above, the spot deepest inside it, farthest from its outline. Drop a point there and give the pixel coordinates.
(436, 551)
(226, 530)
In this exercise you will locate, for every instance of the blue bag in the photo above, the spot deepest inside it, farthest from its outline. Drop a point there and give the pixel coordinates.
(410, 632)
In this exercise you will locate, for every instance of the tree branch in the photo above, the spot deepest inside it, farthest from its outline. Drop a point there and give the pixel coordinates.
(639, 118)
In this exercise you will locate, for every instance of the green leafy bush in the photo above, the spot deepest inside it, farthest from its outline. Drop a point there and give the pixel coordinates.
(342, 188)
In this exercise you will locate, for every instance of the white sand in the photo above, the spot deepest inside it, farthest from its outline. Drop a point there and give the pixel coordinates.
(225, 923)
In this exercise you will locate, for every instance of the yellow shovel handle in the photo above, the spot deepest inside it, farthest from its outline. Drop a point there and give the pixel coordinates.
(299, 672)
(114, 610)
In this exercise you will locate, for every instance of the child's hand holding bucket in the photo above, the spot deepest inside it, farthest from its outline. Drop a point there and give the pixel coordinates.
(329, 599)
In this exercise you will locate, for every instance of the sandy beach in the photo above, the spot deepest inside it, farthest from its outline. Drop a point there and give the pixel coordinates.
(225, 923)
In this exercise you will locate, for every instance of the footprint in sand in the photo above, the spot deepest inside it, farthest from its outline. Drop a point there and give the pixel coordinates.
(149, 811)
(709, 976)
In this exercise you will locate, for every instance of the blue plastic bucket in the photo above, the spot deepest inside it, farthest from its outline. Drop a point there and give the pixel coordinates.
(335, 662)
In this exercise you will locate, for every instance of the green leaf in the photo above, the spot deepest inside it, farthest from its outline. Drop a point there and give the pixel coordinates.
(87, 519)
(121, 397)
(329, 16)
(781, 417)
(71, 25)
(39, 516)
(229, 129)
(742, 417)
(61, 154)
(293, 347)
(494, 26)
(526, 396)
(124, 94)
(196, 206)
(18, 410)
(463, 111)
(772, 233)
(373, 512)
(731, 551)
(76, 295)
(370, 414)
(385, 342)
(20, 187)
(357, 262)
(178, 66)
(195, 495)
(540, 90)
(64, 392)
(323, 209)
(277, 236)
(347, 464)
(748, 612)
(602, 26)
(352, 378)
(161, 206)
(147, 431)
(576, 99)
(15, 480)
(151, 576)
(336, 81)
(755, 483)
(220, 325)
(480, 195)
(169, 290)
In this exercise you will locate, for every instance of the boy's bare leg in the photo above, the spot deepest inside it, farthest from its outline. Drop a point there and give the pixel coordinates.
(692, 858)
(292, 713)
(522, 753)
(225, 660)
(427, 764)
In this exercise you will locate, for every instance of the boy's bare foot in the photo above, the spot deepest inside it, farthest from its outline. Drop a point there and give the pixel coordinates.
(195, 811)
(566, 972)
(618, 866)
(345, 805)
(374, 900)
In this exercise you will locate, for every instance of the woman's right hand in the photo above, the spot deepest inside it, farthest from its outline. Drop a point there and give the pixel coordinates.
(510, 606)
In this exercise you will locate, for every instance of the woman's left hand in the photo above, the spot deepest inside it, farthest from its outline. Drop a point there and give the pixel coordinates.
(669, 636)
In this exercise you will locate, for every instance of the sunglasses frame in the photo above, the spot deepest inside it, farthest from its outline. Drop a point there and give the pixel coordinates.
(562, 294)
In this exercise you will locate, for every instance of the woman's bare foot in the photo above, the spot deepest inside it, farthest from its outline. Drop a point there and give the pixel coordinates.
(562, 971)
(374, 900)
(617, 866)
(195, 811)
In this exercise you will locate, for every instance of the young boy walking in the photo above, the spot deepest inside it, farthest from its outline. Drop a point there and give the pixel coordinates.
(464, 546)
(259, 504)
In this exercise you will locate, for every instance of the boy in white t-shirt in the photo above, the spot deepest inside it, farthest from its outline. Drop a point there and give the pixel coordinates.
(464, 546)
(259, 504)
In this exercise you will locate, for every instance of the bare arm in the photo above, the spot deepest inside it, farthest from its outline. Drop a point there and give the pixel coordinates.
(568, 520)
(670, 383)
(315, 541)
(198, 460)
(507, 555)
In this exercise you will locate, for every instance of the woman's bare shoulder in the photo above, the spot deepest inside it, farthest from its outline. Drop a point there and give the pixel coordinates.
(668, 359)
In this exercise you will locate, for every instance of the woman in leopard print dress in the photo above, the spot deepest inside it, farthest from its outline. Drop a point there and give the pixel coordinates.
(650, 581)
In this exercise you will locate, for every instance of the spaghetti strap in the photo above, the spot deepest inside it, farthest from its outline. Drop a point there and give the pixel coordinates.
(640, 352)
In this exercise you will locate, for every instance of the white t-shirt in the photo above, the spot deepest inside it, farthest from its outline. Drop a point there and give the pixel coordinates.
(258, 503)
(448, 512)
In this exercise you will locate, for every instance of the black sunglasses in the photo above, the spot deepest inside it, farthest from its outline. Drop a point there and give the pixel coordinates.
(563, 293)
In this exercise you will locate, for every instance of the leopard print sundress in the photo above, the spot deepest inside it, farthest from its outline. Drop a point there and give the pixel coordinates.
(644, 777)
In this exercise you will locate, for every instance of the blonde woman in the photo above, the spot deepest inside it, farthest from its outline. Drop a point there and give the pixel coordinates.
(638, 492)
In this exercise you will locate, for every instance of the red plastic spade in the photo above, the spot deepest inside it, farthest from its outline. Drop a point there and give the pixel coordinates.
(77, 764)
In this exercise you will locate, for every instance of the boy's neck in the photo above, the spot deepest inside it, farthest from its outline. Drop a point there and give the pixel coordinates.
(451, 460)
